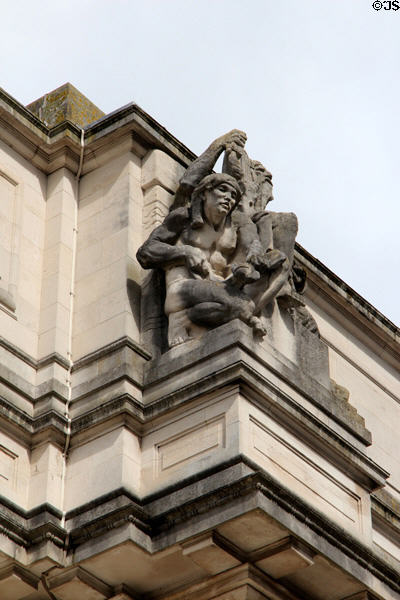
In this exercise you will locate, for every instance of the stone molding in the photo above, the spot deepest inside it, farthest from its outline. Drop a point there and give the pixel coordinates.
(379, 330)
(29, 360)
(233, 343)
(157, 517)
(124, 342)
(236, 367)
(52, 148)
(385, 513)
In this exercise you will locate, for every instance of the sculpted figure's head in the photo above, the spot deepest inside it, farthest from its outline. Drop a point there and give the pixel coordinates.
(263, 180)
(215, 196)
(259, 172)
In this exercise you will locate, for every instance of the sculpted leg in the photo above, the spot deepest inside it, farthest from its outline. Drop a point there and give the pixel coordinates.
(178, 328)
(193, 303)
(210, 313)
(229, 306)
(265, 290)
(213, 314)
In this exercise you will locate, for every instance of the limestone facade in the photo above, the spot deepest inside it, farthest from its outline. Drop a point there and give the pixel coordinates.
(225, 468)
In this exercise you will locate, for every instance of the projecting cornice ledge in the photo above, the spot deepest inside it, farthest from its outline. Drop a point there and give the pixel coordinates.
(364, 319)
(177, 514)
(49, 149)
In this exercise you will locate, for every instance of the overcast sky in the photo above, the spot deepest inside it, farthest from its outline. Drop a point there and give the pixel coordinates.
(314, 83)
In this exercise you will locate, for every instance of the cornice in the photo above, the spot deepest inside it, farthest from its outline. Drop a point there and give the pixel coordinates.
(49, 149)
(126, 411)
(123, 342)
(156, 517)
(378, 329)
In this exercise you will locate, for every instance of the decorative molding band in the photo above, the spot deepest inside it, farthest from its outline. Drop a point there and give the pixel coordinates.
(29, 360)
(345, 291)
(6, 99)
(165, 368)
(18, 353)
(49, 148)
(52, 358)
(385, 513)
(8, 300)
(32, 425)
(121, 405)
(268, 398)
(237, 345)
(150, 516)
(124, 342)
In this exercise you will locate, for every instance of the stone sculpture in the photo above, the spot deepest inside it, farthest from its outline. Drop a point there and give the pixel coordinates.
(224, 256)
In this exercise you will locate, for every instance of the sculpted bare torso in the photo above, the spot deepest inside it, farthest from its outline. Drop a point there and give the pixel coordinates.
(218, 255)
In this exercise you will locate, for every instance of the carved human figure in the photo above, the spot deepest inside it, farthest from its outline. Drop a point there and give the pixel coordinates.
(218, 263)
(275, 231)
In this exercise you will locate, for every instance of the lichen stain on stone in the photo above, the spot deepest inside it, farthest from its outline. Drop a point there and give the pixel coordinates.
(66, 103)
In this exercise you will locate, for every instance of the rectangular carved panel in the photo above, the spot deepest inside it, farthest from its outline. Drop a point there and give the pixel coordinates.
(191, 443)
(9, 240)
(7, 465)
(306, 478)
(7, 225)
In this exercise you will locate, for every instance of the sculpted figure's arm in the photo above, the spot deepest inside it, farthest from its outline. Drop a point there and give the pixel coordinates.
(160, 250)
(204, 164)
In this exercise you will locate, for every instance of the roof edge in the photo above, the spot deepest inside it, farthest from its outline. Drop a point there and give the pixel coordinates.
(164, 140)
(342, 289)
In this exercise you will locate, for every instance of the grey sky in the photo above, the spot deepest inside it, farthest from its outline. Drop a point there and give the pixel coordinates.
(314, 83)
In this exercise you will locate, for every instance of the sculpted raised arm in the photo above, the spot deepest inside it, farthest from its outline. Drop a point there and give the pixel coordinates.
(204, 164)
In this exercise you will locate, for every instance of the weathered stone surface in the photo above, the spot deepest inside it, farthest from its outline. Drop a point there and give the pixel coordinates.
(78, 583)
(206, 553)
(66, 103)
(16, 582)
(284, 558)
(223, 255)
(227, 467)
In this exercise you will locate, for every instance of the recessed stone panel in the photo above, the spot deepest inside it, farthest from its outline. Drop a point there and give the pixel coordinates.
(190, 444)
(285, 561)
(300, 473)
(7, 466)
(9, 240)
(16, 583)
(77, 583)
(208, 555)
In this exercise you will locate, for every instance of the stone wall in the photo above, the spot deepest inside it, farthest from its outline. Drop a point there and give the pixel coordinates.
(226, 467)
